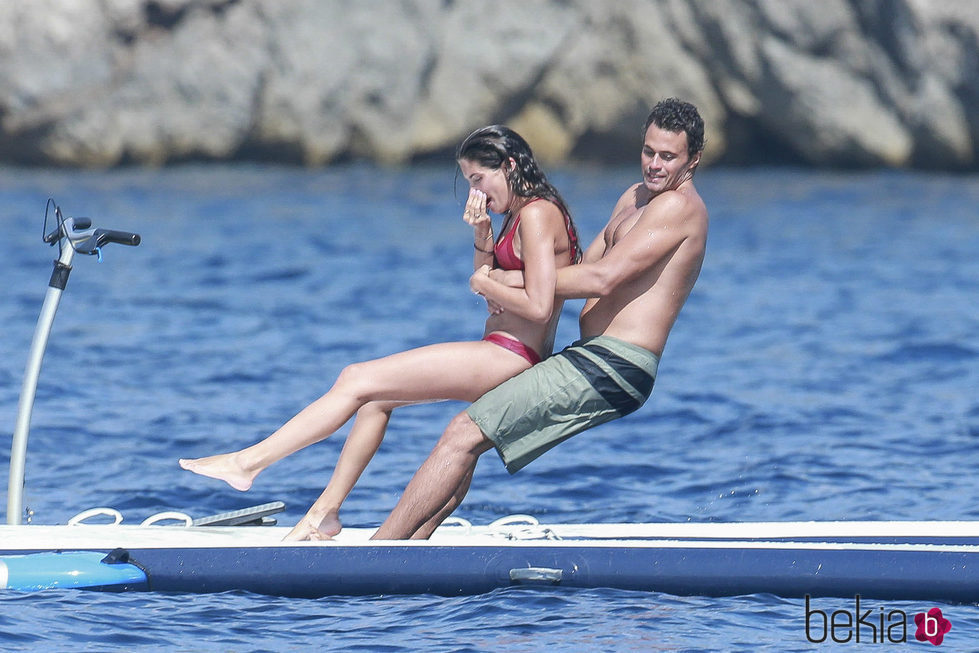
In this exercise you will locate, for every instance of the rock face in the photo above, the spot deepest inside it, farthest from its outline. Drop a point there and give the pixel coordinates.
(843, 83)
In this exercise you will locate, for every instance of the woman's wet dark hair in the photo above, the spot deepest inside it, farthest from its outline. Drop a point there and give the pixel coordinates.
(493, 146)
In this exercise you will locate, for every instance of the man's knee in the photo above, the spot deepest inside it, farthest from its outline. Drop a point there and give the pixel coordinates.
(462, 433)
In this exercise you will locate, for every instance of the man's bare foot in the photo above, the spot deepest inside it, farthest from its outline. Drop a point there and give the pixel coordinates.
(222, 467)
(308, 529)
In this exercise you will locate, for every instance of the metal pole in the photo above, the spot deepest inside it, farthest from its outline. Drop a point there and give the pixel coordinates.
(18, 447)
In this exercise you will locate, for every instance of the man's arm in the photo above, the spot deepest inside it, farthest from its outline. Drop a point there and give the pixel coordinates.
(490, 282)
(657, 233)
(515, 278)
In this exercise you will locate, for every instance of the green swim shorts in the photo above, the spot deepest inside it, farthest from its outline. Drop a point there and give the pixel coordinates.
(593, 381)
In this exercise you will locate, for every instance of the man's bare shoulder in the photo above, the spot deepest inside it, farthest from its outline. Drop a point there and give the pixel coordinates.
(675, 207)
(634, 194)
(629, 203)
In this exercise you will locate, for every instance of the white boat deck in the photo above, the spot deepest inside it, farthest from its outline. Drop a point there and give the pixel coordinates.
(948, 535)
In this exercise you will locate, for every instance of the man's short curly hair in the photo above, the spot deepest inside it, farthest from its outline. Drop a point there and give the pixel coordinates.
(678, 116)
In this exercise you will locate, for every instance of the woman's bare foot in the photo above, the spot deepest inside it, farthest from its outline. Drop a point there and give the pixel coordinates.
(222, 467)
(309, 529)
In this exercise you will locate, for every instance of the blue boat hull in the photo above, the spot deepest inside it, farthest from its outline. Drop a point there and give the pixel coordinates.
(951, 576)
(915, 561)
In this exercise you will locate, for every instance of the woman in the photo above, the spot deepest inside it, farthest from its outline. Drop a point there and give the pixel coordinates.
(537, 236)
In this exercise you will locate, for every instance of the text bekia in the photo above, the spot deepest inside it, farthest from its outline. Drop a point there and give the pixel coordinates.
(874, 625)
(871, 625)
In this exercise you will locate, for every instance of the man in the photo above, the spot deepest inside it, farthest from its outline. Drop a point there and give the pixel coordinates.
(635, 278)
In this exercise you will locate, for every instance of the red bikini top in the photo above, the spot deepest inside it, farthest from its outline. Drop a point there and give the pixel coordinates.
(507, 259)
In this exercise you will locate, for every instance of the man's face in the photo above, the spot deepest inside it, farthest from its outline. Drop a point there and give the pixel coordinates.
(665, 162)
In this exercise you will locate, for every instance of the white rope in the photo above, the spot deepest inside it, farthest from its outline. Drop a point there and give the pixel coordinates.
(82, 517)
(457, 522)
(532, 530)
(94, 512)
(170, 514)
(510, 520)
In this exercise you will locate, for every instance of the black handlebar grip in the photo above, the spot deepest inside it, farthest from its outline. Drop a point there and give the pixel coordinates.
(104, 236)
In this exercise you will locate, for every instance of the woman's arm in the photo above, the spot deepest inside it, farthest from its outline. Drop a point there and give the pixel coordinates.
(515, 278)
(478, 218)
(541, 224)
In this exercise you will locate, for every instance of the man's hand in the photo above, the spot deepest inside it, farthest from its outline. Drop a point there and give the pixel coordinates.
(476, 284)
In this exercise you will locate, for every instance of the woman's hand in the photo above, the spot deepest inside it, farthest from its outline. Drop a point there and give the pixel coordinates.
(476, 216)
(477, 279)
(475, 284)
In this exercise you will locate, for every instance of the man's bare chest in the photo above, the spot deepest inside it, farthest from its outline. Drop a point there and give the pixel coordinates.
(620, 226)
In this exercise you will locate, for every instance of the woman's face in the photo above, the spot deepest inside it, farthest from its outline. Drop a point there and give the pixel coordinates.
(491, 181)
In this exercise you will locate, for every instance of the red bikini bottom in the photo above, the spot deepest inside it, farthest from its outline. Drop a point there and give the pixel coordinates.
(515, 346)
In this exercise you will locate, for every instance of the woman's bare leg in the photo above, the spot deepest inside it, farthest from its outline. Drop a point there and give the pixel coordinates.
(442, 479)
(322, 520)
(457, 370)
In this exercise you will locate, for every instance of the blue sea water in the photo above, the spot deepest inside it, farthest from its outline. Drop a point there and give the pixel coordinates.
(825, 367)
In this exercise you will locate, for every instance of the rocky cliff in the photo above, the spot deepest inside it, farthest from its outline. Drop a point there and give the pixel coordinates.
(843, 83)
